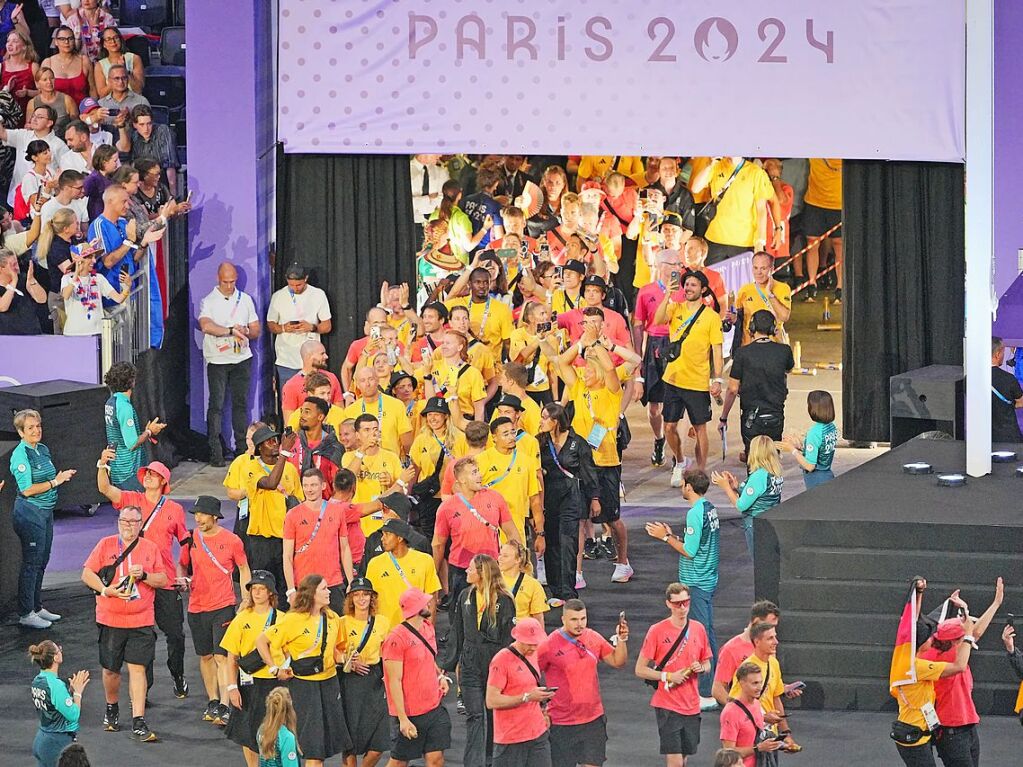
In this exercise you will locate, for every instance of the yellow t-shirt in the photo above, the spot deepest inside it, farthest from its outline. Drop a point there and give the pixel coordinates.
(295, 636)
(353, 629)
(240, 637)
(426, 450)
(469, 385)
(390, 412)
(737, 217)
(481, 358)
(405, 328)
(775, 686)
(824, 186)
(648, 243)
(592, 166)
(372, 479)
(692, 369)
(597, 406)
(515, 481)
(490, 320)
(529, 420)
(696, 166)
(749, 298)
(419, 572)
(268, 507)
(562, 302)
(530, 599)
(237, 472)
(541, 374)
(334, 418)
(918, 694)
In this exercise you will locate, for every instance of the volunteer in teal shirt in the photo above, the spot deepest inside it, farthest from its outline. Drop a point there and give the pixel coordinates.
(59, 708)
(817, 450)
(37, 480)
(761, 490)
(698, 554)
(122, 428)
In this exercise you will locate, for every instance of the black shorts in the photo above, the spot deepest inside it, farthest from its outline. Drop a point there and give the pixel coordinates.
(679, 734)
(434, 734)
(208, 629)
(681, 402)
(609, 480)
(529, 753)
(654, 363)
(816, 221)
(573, 744)
(120, 646)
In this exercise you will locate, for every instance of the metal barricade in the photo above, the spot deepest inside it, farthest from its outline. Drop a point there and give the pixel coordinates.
(126, 326)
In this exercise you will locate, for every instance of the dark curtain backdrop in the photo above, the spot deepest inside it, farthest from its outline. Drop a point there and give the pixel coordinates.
(349, 219)
(904, 275)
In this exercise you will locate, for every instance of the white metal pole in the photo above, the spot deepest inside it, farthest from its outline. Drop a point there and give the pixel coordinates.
(979, 231)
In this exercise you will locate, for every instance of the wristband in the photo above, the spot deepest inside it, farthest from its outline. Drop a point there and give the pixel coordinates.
(101, 465)
(723, 419)
(664, 676)
(666, 538)
(525, 698)
(403, 485)
(359, 454)
(638, 379)
(286, 453)
(289, 592)
(232, 687)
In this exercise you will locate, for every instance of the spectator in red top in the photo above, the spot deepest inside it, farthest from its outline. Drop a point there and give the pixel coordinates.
(742, 718)
(695, 257)
(959, 743)
(569, 661)
(314, 359)
(375, 317)
(163, 523)
(515, 223)
(316, 448)
(558, 236)
(415, 686)
(434, 318)
(515, 695)
(615, 327)
(737, 649)
(316, 541)
(674, 652)
(125, 570)
(209, 559)
(778, 231)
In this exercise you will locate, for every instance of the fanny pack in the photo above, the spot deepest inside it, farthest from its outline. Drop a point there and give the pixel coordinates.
(251, 662)
(314, 663)
(906, 734)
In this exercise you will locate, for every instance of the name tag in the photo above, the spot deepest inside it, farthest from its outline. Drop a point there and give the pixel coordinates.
(930, 716)
(244, 679)
(596, 435)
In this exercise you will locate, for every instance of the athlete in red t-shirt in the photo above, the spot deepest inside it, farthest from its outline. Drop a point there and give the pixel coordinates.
(737, 649)
(742, 719)
(514, 693)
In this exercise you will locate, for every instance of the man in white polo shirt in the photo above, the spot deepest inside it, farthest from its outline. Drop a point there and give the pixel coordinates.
(228, 319)
(40, 127)
(298, 313)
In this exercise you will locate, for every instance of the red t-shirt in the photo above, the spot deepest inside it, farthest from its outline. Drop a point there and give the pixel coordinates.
(419, 673)
(212, 585)
(509, 676)
(353, 523)
(730, 656)
(681, 698)
(122, 613)
(322, 553)
(532, 245)
(785, 200)
(423, 346)
(573, 670)
(736, 726)
(953, 695)
(293, 392)
(716, 284)
(648, 299)
(469, 536)
(615, 328)
(168, 527)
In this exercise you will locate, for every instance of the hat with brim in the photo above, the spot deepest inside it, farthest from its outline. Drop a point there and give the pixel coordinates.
(528, 631)
(207, 504)
(436, 405)
(262, 578)
(704, 282)
(510, 400)
(157, 468)
(262, 434)
(398, 527)
(361, 584)
(596, 280)
(398, 503)
(398, 376)
(412, 601)
(575, 265)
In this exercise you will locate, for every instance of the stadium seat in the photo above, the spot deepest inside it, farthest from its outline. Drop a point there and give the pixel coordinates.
(165, 88)
(149, 14)
(139, 45)
(161, 115)
(172, 46)
(179, 12)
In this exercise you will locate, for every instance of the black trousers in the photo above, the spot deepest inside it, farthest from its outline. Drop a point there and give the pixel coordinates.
(170, 619)
(268, 554)
(958, 746)
(223, 379)
(562, 512)
(917, 756)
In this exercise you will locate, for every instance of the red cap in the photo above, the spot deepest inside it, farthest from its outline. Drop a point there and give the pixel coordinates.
(588, 185)
(157, 468)
(411, 602)
(528, 631)
(950, 630)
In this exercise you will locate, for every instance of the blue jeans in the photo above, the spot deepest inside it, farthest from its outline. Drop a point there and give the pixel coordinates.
(701, 610)
(747, 528)
(34, 528)
(284, 375)
(813, 478)
(47, 746)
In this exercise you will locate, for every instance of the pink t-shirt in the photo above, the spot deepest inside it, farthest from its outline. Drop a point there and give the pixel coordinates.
(419, 673)
(648, 299)
(293, 392)
(573, 670)
(469, 536)
(730, 656)
(737, 727)
(114, 611)
(953, 695)
(509, 675)
(681, 698)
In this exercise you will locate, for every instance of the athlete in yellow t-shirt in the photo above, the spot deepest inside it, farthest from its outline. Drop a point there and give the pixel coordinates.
(398, 569)
(395, 429)
(489, 317)
(376, 469)
(822, 212)
(763, 293)
(513, 474)
(741, 220)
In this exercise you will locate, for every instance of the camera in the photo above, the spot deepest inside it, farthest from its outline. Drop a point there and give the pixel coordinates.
(543, 327)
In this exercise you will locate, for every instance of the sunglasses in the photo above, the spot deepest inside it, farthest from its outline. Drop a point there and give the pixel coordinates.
(678, 602)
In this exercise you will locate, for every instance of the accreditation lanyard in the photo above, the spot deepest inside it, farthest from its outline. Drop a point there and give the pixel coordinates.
(394, 561)
(554, 455)
(578, 644)
(479, 517)
(299, 312)
(156, 510)
(409, 408)
(443, 447)
(486, 315)
(126, 562)
(209, 553)
(316, 529)
(238, 300)
(507, 471)
(765, 299)
(1001, 396)
(380, 409)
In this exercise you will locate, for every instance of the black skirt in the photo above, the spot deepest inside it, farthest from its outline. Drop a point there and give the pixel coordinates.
(365, 708)
(322, 732)
(245, 721)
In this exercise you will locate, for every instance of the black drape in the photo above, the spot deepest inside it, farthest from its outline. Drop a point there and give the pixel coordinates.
(348, 218)
(903, 233)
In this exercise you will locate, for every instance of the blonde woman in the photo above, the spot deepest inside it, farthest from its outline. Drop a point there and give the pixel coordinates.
(54, 252)
(18, 71)
(277, 744)
(481, 627)
(761, 490)
(48, 95)
(453, 375)
(530, 600)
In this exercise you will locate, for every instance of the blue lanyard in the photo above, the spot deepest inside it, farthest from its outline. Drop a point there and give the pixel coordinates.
(763, 298)
(507, 471)
(486, 315)
(442, 445)
(479, 517)
(1001, 396)
(238, 300)
(269, 619)
(267, 470)
(394, 561)
(409, 408)
(578, 644)
(554, 455)
(316, 529)
(380, 408)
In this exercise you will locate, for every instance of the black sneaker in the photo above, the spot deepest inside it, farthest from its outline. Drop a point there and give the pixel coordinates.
(140, 731)
(657, 457)
(810, 295)
(180, 687)
(608, 548)
(460, 706)
(212, 708)
(590, 549)
(223, 716)
(111, 719)
(838, 296)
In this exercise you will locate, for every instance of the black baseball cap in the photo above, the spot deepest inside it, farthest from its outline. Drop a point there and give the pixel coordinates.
(207, 504)
(574, 265)
(595, 279)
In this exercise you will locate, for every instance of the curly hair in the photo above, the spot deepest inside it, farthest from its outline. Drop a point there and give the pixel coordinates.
(120, 377)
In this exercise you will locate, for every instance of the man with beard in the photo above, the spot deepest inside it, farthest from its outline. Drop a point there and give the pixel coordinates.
(316, 448)
(314, 359)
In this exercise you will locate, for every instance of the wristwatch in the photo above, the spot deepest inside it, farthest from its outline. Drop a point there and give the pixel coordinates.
(540, 534)
(274, 670)
(359, 454)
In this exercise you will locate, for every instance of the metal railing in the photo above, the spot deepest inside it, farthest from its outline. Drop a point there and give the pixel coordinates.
(126, 326)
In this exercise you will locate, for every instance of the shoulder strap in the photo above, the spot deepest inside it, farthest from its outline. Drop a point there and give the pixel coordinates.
(323, 642)
(557, 234)
(420, 637)
(614, 164)
(526, 663)
(692, 323)
(671, 651)
(518, 584)
(462, 370)
(124, 554)
(746, 711)
(367, 633)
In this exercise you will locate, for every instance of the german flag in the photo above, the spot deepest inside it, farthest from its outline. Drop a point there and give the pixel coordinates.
(903, 669)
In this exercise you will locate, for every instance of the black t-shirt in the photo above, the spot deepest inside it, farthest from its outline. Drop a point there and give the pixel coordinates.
(20, 319)
(762, 367)
(60, 251)
(1004, 426)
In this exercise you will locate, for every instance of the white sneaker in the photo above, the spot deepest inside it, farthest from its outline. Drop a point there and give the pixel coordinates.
(580, 582)
(622, 573)
(33, 621)
(46, 615)
(541, 571)
(677, 471)
(707, 704)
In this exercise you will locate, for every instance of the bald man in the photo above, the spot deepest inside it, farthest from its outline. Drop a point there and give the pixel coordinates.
(395, 428)
(314, 360)
(228, 320)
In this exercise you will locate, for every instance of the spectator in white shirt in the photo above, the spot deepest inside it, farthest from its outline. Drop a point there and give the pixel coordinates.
(80, 148)
(228, 319)
(428, 176)
(70, 194)
(298, 313)
(43, 119)
(83, 292)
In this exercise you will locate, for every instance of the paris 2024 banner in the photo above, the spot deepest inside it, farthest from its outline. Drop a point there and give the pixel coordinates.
(789, 78)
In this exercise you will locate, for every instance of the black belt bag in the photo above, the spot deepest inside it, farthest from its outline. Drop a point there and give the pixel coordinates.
(906, 734)
(313, 664)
